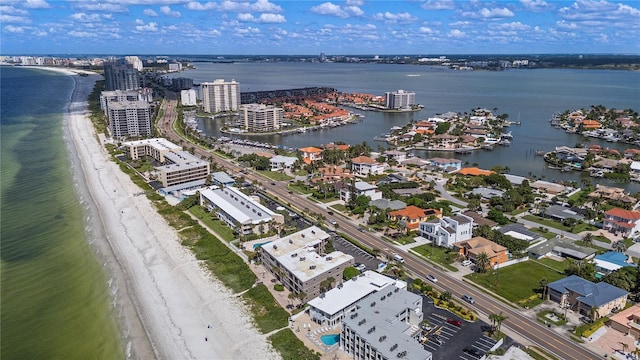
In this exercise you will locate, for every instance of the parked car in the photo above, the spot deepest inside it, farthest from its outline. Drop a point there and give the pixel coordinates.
(455, 322)
(466, 263)
(473, 352)
(488, 328)
(468, 299)
(432, 278)
(360, 267)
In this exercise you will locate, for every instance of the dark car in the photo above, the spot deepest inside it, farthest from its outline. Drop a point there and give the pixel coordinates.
(455, 322)
(488, 328)
(473, 352)
(330, 212)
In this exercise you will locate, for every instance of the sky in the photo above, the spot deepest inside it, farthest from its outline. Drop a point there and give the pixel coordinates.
(306, 27)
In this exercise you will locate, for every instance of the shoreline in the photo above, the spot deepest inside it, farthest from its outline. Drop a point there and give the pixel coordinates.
(168, 305)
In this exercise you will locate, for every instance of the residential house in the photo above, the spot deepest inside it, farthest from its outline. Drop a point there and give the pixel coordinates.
(447, 231)
(413, 215)
(547, 187)
(565, 248)
(365, 166)
(360, 188)
(478, 219)
(621, 221)
(474, 171)
(388, 204)
(446, 164)
(627, 321)
(392, 179)
(562, 213)
(280, 163)
(611, 193)
(611, 261)
(520, 232)
(475, 246)
(586, 298)
(486, 193)
(311, 153)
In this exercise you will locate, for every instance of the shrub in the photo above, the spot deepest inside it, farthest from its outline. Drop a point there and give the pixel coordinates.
(278, 287)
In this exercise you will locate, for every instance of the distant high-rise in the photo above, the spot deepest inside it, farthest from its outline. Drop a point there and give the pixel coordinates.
(323, 57)
(261, 118)
(119, 75)
(219, 96)
(400, 100)
(134, 61)
(129, 119)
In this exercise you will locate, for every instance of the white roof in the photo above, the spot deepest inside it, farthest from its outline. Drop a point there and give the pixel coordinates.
(181, 160)
(157, 143)
(239, 206)
(635, 165)
(363, 186)
(283, 159)
(606, 265)
(339, 298)
(518, 235)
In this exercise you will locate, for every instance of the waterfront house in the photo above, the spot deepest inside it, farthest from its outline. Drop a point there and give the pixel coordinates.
(475, 246)
(311, 153)
(365, 166)
(593, 300)
(413, 215)
(602, 192)
(447, 231)
(396, 155)
(621, 221)
(360, 188)
(446, 164)
(474, 171)
(547, 187)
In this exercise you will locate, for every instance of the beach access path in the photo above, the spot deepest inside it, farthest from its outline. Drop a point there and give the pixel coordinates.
(182, 312)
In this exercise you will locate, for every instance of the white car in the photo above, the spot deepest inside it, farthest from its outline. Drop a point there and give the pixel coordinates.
(432, 278)
(360, 267)
(466, 263)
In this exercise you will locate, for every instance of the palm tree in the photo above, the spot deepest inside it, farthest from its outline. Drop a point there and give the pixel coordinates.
(500, 318)
(292, 296)
(587, 239)
(624, 345)
(636, 353)
(619, 246)
(482, 262)
(543, 286)
(301, 296)
(593, 313)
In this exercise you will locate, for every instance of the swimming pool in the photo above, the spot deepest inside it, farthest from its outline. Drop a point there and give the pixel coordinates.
(330, 340)
(255, 246)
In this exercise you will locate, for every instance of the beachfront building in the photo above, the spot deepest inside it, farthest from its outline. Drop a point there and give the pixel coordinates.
(261, 118)
(621, 221)
(119, 75)
(385, 325)
(365, 166)
(155, 148)
(360, 188)
(340, 301)
(400, 100)
(301, 264)
(129, 119)
(219, 96)
(221, 178)
(135, 62)
(188, 97)
(280, 162)
(183, 168)
(239, 211)
(447, 231)
(108, 97)
(413, 215)
(593, 300)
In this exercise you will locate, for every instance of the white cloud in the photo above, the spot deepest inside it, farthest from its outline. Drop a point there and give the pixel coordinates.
(263, 18)
(139, 22)
(585, 10)
(426, 30)
(150, 27)
(14, 29)
(4, 9)
(14, 19)
(535, 5)
(355, 2)
(82, 34)
(150, 12)
(82, 17)
(166, 10)
(248, 30)
(439, 5)
(261, 6)
(92, 6)
(194, 5)
(516, 25)
(455, 33)
(329, 8)
(36, 4)
(562, 24)
(404, 17)
(485, 13)
(463, 24)
(354, 10)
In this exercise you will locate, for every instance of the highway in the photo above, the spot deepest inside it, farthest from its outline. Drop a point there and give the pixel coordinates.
(517, 323)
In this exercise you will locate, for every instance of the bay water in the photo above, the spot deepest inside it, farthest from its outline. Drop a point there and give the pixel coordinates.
(531, 96)
(56, 302)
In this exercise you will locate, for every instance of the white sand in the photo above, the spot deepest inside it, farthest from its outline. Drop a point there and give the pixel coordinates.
(170, 297)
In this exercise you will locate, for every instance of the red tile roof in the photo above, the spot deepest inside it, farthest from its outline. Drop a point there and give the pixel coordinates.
(623, 214)
(363, 160)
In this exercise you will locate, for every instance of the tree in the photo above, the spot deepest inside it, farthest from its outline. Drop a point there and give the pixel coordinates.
(593, 313)
(499, 319)
(292, 296)
(301, 296)
(587, 239)
(445, 296)
(543, 287)
(624, 345)
(619, 246)
(482, 262)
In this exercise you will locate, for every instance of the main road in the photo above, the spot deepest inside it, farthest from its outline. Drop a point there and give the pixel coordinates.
(525, 327)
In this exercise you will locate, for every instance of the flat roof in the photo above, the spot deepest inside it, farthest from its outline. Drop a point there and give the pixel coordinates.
(181, 160)
(157, 143)
(350, 292)
(239, 206)
(222, 177)
(297, 253)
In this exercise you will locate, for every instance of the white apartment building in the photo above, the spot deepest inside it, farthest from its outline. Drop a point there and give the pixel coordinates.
(261, 118)
(239, 211)
(129, 119)
(365, 166)
(385, 325)
(448, 230)
(400, 100)
(108, 97)
(134, 61)
(155, 148)
(188, 97)
(301, 263)
(279, 162)
(360, 188)
(219, 96)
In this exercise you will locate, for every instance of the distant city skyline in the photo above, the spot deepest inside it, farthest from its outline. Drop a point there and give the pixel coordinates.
(174, 27)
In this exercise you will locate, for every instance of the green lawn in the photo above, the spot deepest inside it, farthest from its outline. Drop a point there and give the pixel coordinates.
(545, 234)
(216, 225)
(516, 282)
(556, 225)
(560, 266)
(438, 255)
(274, 175)
(404, 240)
(302, 189)
(326, 200)
(339, 207)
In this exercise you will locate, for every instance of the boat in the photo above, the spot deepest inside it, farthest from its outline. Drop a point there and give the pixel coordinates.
(487, 146)
(507, 135)
(504, 142)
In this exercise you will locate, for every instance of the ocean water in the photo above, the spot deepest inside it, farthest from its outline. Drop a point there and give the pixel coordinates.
(55, 298)
(531, 96)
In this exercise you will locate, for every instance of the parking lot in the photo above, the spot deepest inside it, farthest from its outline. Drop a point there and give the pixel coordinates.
(359, 255)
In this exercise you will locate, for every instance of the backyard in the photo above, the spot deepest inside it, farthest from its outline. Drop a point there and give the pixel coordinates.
(439, 255)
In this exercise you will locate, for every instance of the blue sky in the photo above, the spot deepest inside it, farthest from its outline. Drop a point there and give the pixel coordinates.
(297, 27)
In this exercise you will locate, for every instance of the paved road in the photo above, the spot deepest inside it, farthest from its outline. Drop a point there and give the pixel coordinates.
(518, 323)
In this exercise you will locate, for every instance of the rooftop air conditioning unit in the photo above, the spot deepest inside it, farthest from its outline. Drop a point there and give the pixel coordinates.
(329, 258)
(312, 267)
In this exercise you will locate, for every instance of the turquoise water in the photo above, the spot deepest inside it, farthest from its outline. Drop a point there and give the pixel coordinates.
(55, 299)
(330, 340)
(255, 246)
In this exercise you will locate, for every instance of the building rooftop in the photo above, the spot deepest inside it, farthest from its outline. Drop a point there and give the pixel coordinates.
(562, 212)
(518, 231)
(298, 254)
(363, 160)
(352, 291)
(474, 171)
(564, 247)
(181, 160)
(613, 260)
(241, 207)
(222, 177)
(363, 186)
(624, 214)
(157, 143)
(597, 294)
(388, 204)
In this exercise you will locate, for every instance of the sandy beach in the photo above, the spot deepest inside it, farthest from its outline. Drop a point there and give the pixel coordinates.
(170, 307)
